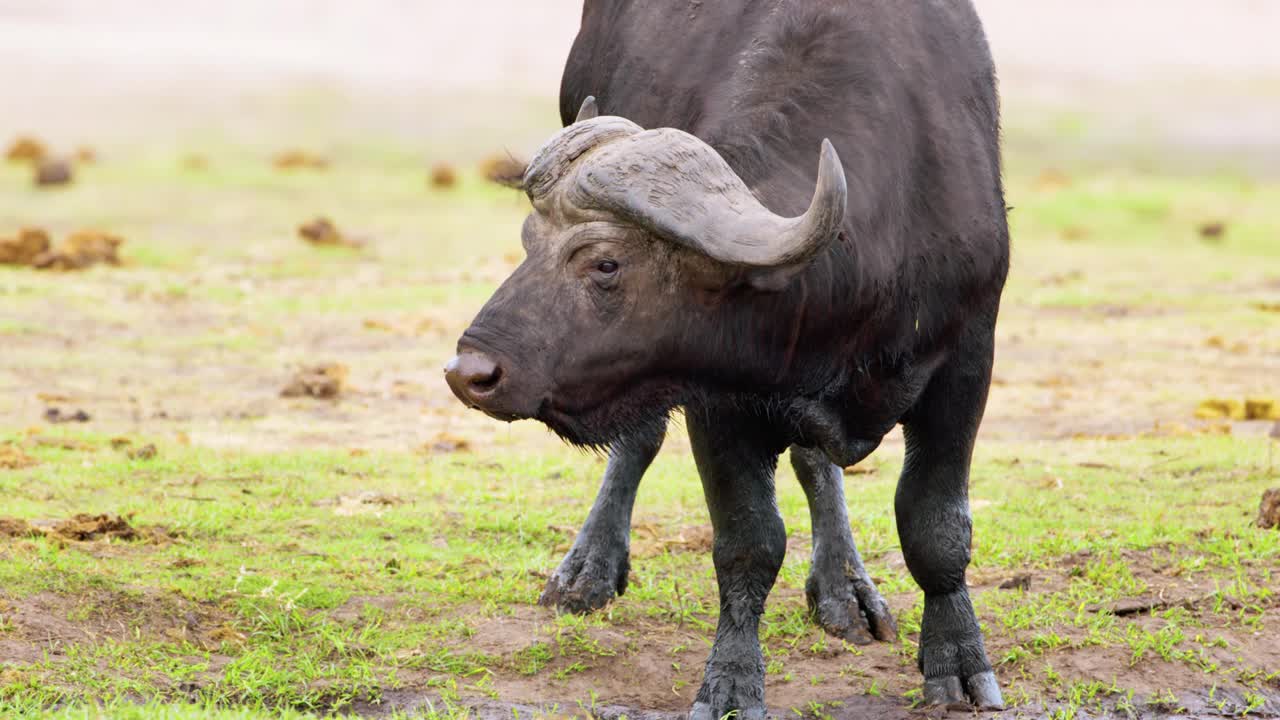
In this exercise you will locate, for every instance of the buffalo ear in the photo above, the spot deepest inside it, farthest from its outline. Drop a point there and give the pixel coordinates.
(589, 110)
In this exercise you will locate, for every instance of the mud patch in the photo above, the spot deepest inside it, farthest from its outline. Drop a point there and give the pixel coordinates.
(42, 625)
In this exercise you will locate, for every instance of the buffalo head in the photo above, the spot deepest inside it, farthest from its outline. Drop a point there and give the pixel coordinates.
(641, 248)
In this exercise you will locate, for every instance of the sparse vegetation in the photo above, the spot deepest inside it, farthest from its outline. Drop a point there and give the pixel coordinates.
(385, 549)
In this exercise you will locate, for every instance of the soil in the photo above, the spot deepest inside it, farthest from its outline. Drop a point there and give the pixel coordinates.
(41, 623)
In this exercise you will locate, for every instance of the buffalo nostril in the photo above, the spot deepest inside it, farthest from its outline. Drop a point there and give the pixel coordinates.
(472, 374)
(486, 382)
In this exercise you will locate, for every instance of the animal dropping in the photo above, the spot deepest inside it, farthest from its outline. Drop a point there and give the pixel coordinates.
(50, 172)
(323, 233)
(299, 160)
(1269, 510)
(29, 244)
(503, 170)
(326, 381)
(442, 176)
(26, 149)
(13, 458)
(80, 250)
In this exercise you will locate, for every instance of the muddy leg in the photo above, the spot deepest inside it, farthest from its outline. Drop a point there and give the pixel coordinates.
(842, 598)
(736, 461)
(934, 525)
(595, 569)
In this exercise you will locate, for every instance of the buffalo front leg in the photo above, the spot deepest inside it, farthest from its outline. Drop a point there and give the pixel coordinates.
(595, 569)
(935, 528)
(736, 461)
(842, 598)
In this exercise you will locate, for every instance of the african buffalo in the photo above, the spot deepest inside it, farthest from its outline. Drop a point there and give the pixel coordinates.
(806, 247)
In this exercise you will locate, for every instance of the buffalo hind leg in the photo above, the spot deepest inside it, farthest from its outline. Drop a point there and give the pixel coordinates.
(594, 571)
(736, 460)
(842, 598)
(934, 526)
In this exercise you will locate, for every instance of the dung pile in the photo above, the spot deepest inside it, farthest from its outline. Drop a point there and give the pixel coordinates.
(29, 244)
(1269, 510)
(504, 170)
(53, 171)
(322, 232)
(325, 381)
(299, 160)
(84, 528)
(26, 149)
(13, 458)
(81, 249)
(443, 176)
(1254, 408)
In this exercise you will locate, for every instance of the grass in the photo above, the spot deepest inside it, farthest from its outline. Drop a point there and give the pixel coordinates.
(310, 558)
(308, 603)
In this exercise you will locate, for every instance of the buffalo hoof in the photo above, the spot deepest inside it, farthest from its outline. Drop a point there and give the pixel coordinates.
(847, 605)
(704, 711)
(732, 687)
(587, 579)
(980, 690)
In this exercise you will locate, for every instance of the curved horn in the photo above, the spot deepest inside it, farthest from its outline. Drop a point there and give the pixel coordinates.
(678, 187)
(554, 159)
(588, 109)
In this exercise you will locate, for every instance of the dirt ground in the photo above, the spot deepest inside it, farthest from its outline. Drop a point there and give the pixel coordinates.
(1131, 135)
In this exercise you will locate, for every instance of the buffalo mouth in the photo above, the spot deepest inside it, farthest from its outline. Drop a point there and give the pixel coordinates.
(600, 424)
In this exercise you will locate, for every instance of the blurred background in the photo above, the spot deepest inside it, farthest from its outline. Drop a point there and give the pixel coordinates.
(1192, 76)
